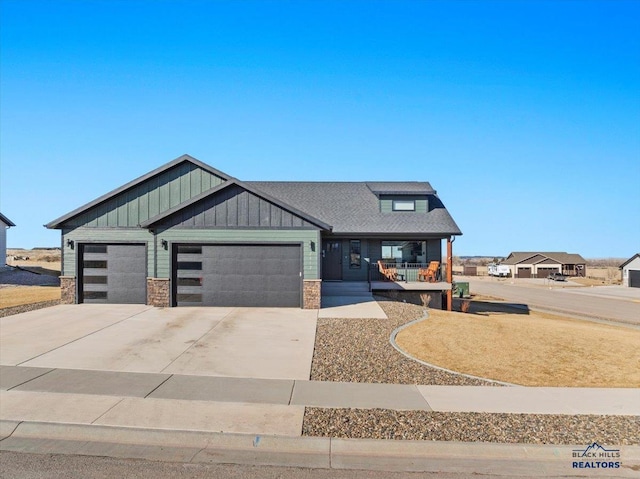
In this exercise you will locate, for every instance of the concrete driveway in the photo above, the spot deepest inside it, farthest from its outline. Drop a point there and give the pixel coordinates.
(269, 343)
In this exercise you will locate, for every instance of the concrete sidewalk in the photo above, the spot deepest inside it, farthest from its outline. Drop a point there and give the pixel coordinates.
(117, 398)
(175, 417)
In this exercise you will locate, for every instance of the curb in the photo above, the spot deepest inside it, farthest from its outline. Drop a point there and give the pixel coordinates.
(392, 340)
(508, 460)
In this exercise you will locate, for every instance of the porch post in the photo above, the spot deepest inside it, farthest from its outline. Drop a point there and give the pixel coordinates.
(449, 273)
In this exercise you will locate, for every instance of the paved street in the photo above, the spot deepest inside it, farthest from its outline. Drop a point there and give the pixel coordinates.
(601, 302)
(35, 466)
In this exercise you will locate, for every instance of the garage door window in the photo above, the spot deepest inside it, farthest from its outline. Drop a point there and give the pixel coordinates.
(190, 265)
(95, 248)
(95, 264)
(189, 275)
(95, 280)
(95, 273)
(95, 295)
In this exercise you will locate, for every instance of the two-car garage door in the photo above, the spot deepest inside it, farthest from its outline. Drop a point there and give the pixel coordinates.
(268, 275)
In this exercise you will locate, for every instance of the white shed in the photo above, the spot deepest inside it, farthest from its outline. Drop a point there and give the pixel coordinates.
(631, 271)
(4, 224)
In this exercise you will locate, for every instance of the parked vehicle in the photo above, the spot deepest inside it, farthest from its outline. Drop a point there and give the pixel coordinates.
(555, 276)
(499, 270)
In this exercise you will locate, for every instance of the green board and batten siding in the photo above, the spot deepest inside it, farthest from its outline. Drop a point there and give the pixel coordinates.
(193, 235)
(105, 235)
(148, 199)
(422, 203)
(117, 219)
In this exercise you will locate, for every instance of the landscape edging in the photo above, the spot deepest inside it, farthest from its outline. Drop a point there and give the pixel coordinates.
(392, 340)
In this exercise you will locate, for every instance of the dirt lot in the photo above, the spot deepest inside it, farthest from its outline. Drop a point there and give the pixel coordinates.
(48, 259)
(33, 281)
(526, 347)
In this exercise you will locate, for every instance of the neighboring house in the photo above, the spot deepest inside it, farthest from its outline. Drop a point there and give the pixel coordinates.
(631, 271)
(540, 265)
(5, 223)
(188, 234)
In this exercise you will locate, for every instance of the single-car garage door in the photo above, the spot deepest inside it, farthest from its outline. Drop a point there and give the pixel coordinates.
(524, 273)
(238, 275)
(545, 272)
(113, 273)
(634, 278)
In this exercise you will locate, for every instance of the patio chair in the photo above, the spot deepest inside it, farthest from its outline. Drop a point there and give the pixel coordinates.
(429, 274)
(390, 274)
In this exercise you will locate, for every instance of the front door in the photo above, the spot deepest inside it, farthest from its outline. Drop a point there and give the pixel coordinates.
(331, 260)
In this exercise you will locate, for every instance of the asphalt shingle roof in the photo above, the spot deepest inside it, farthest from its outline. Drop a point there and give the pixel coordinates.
(344, 207)
(401, 188)
(352, 207)
(637, 255)
(560, 257)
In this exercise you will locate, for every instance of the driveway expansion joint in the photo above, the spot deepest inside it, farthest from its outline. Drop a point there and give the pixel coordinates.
(157, 387)
(107, 411)
(15, 428)
(81, 337)
(293, 386)
(30, 379)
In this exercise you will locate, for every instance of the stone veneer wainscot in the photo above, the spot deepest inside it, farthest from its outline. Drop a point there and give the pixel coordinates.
(158, 292)
(311, 293)
(67, 290)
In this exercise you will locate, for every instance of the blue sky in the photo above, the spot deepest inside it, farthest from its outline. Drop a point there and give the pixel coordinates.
(524, 115)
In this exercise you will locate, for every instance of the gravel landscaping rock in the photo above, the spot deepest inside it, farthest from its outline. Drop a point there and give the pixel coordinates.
(358, 350)
(471, 427)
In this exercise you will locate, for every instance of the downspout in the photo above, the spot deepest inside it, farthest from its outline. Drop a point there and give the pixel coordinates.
(450, 272)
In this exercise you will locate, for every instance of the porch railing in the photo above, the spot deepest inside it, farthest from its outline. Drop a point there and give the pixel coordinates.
(405, 272)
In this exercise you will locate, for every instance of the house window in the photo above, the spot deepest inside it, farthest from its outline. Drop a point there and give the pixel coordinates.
(354, 254)
(404, 205)
(403, 252)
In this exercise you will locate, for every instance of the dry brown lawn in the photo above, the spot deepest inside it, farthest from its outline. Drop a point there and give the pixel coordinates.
(18, 295)
(589, 281)
(534, 349)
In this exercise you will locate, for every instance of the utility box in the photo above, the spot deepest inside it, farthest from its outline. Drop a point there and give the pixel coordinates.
(461, 289)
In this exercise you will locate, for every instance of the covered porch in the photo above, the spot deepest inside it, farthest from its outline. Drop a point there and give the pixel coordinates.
(387, 264)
